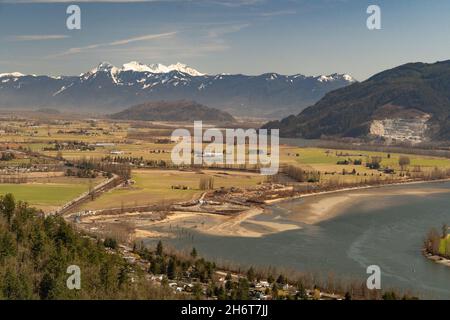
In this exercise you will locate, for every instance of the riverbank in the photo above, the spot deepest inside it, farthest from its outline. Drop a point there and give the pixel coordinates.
(307, 209)
(437, 259)
(326, 205)
(258, 220)
(313, 194)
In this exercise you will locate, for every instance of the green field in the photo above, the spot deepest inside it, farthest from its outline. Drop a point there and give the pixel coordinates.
(318, 156)
(155, 186)
(46, 196)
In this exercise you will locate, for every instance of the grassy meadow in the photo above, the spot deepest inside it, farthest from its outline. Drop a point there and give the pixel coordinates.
(155, 186)
(47, 194)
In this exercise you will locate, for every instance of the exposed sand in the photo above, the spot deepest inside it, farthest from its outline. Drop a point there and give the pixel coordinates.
(242, 225)
(108, 218)
(232, 226)
(179, 216)
(140, 233)
(361, 188)
(275, 227)
(322, 207)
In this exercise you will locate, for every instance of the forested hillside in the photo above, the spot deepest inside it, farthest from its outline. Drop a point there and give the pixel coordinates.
(410, 91)
(180, 110)
(35, 253)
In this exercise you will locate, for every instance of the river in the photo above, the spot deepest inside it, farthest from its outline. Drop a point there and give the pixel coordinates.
(385, 230)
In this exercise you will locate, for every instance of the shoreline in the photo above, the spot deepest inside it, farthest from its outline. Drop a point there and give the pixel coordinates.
(314, 194)
(326, 205)
(436, 258)
(332, 204)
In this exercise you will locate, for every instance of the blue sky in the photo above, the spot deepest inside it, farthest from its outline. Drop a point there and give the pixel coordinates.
(231, 36)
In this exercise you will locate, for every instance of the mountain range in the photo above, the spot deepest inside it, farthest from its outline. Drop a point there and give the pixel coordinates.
(107, 88)
(410, 102)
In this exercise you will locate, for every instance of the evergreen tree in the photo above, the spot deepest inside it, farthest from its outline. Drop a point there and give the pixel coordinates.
(251, 274)
(274, 291)
(243, 289)
(301, 292)
(194, 253)
(7, 245)
(159, 249)
(46, 287)
(197, 291)
(281, 279)
(348, 296)
(7, 206)
(171, 269)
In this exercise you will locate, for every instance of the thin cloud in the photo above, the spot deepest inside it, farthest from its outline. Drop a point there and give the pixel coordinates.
(143, 38)
(174, 51)
(39, 37)
(237, 3)
(278, 13)
(77, 50)
(227, 29)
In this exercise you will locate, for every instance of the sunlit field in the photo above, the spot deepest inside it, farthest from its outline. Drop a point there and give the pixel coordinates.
(48, 194)
(155, 187)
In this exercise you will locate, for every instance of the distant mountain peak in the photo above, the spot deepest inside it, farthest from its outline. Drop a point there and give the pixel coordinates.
(335, 76)
(348, 77)
(136, 67)
(12, 74)
(181, 67)
(157, 68)
(103, 66)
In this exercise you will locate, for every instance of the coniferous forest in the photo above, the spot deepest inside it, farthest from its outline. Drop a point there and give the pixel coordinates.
(35, 252)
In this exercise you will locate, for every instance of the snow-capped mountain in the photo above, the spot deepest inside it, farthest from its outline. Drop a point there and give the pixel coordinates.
(152, 68)
(11, 75)
(107, 88)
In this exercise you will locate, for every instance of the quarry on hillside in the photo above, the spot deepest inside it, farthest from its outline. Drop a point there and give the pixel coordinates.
(400, 129)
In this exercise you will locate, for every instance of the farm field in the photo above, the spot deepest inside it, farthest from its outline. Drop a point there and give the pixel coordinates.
(155, 187)
(146, 151)
(97, 139)
(48, 194)
(127, 139)
(326, 161)
(321, 157)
